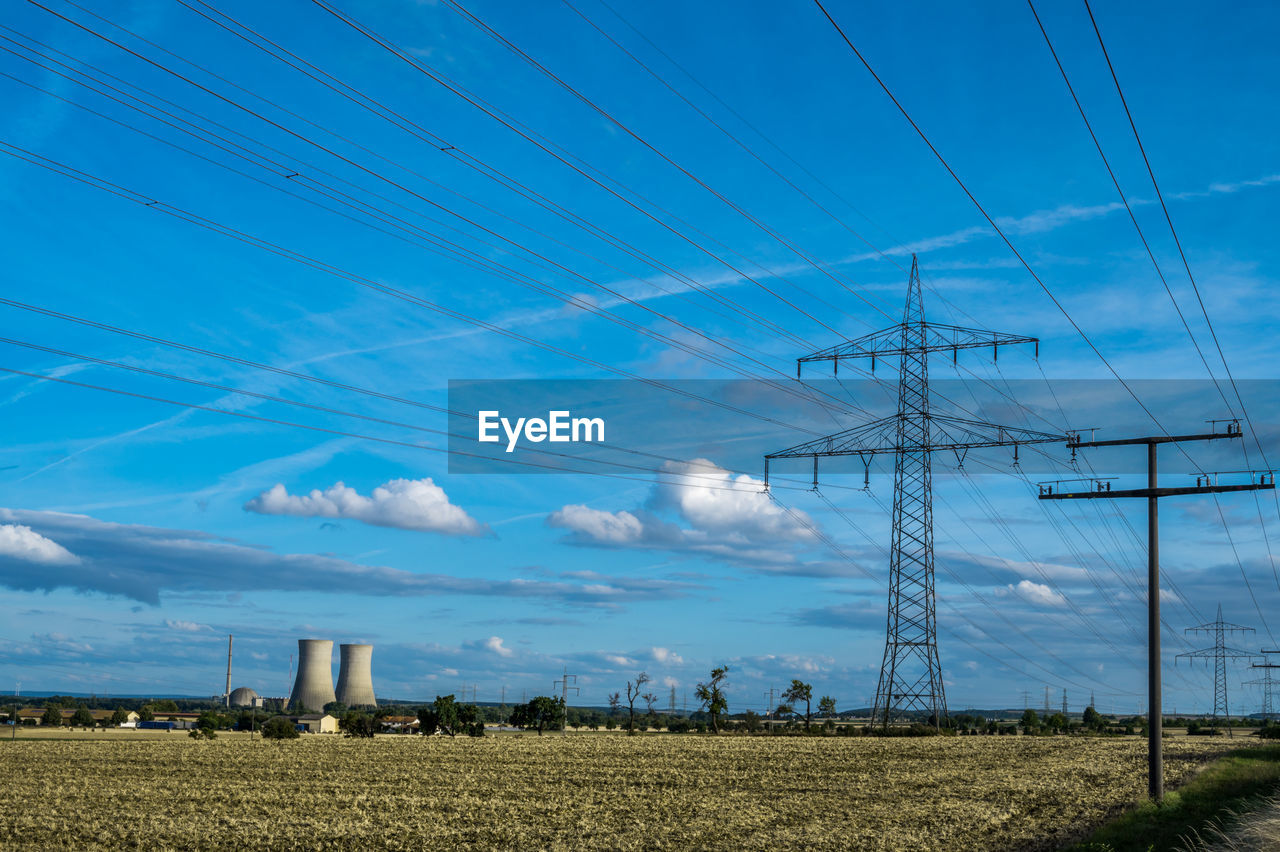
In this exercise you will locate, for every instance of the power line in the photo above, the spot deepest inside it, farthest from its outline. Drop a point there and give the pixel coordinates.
(421, 67)
(1199, 299)
(441, 245)
(322, 266)
(1151, 255)
(377, 108)
(1044, 287)
(503, 40)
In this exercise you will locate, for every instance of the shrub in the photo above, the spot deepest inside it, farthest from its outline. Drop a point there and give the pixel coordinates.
(279, 728)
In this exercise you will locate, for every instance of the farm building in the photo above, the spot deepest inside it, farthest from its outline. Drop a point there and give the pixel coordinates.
(316, 723)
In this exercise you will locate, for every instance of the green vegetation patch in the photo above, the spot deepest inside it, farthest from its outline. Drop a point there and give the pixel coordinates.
(1229, 782)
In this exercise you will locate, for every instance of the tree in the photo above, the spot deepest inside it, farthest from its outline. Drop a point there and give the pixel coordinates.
(711, 694)
(827, 706)
(649, 700)
(119, 716)
(634, 688)
(206, 726)
(1092, 718)
(213, 720)
(145, 714)
(801, 691)
(1030, 721)
(542, 712)
(469, 721)
(82, 718)
(279, 728)
(615, 701)
(751, 721)
(446, 714)
(52, 716)
(1057, 721)
(355, 724)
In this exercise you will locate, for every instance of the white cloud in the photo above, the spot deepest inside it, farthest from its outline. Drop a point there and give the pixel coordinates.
(719, 514)
(1036, 593)
(602, 527)
(22, 542)
(494, 644)
(407, 504)
(713, 499)
(667, 656)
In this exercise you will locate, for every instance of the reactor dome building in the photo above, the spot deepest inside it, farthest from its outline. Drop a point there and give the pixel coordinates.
(313, 687)
(243, 696)
(355, 676)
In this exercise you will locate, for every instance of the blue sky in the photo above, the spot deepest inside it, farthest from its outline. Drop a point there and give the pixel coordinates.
(138, 534)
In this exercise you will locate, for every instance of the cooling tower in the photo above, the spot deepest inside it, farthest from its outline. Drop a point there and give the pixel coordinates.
(313, 687)
(355, 677)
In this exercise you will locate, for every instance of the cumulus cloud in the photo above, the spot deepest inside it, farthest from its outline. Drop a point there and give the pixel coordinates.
(25, 544)
(142, 562)
(494, 644)
(667, 656)
(407, 504)
(599, 526)
(716, 514)
(1036, 593)
(715, 500)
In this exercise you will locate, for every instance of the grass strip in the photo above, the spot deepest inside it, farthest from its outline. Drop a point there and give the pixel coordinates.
(1228, 782)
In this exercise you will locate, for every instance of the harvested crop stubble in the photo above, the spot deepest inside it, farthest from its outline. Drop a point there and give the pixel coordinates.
(134, 791)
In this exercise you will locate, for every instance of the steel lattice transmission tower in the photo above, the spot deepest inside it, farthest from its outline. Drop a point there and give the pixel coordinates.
(1219, 653)
(911, 672)
(1265, 682)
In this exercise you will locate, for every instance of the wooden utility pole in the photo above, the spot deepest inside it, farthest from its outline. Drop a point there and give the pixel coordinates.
(1101, 490)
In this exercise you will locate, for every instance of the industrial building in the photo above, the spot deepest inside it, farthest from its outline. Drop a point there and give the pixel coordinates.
(313, 687)
(355, 676)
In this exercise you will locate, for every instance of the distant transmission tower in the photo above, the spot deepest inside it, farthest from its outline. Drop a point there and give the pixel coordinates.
(565, 688)
(1266, 683)
(1064, 702)
(1219, 653)
(911, 672)
(1046, 701)
(672, 705)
